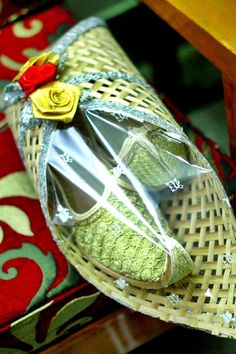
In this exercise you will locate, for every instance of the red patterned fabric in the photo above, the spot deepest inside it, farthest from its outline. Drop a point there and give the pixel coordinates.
(67, 313)
(10, 10)
(31, 266)
(35, 32)
(32, 269)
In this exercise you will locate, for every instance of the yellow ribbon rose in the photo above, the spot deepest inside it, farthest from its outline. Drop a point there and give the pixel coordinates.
(44, 58)
(56, 100)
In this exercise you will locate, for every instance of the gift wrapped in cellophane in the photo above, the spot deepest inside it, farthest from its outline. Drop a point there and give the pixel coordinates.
(132, 203)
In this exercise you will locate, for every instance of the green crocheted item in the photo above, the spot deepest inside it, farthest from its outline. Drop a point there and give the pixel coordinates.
(154, 158)
(116, 246)
(136, 244)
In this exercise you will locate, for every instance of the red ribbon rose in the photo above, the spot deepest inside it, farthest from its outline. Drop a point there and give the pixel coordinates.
(36, 76)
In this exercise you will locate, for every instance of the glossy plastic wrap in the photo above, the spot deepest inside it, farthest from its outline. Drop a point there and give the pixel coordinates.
(106, 180)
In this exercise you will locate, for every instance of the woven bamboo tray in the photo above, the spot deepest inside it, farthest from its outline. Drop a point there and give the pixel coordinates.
(201, 216)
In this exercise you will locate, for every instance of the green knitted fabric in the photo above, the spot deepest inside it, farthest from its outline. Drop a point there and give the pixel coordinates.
(154, 158)
(116, 246)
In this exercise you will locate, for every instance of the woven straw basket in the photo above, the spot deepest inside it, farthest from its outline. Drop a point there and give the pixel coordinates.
(201, 216)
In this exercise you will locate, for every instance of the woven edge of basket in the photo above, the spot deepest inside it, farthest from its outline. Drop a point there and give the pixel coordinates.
(149, 302)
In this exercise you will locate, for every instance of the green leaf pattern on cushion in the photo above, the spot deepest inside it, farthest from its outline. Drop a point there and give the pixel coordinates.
(71, 279)
(16, 218)
(31, 52)
(21, 31)
(25, 328)
(1, 234)
(61, 322)
(45, 262)
(17, 184)
(9, 63)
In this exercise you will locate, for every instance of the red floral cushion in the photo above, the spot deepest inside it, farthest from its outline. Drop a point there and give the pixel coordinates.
(32, 269)
(10, 10)
(28, 37)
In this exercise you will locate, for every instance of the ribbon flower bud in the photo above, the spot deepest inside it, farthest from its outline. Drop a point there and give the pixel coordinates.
(56, 101)
(37, 71)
